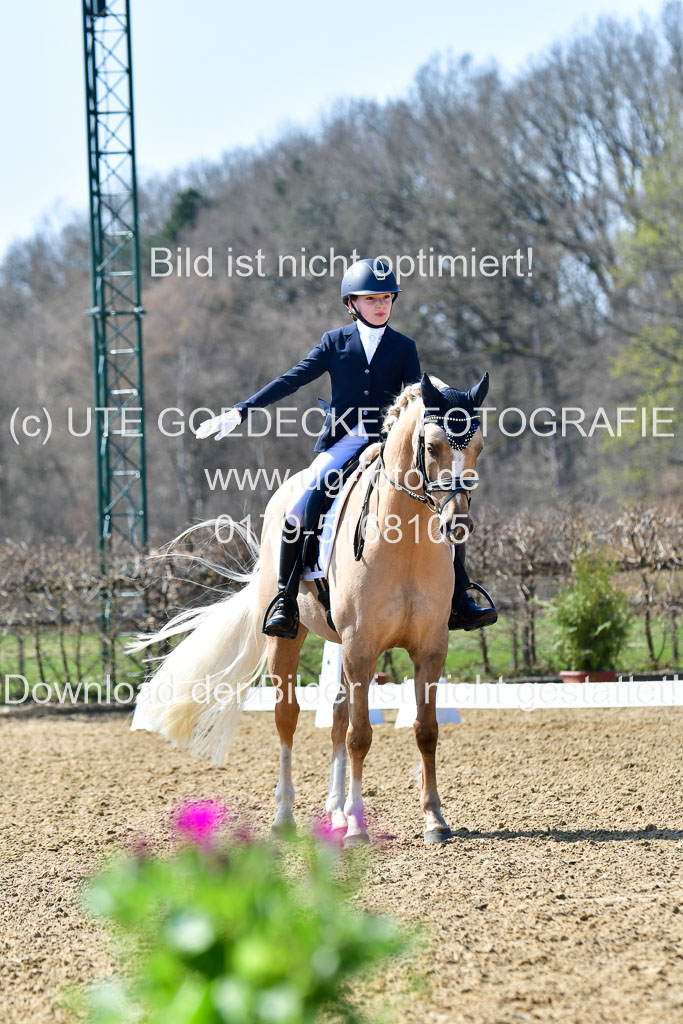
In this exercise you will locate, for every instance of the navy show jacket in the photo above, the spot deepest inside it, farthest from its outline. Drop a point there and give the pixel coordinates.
(360, 390)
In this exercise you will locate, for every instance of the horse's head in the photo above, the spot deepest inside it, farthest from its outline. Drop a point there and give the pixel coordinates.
(448, 444)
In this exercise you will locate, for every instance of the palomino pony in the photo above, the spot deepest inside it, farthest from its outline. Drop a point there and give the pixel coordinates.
(396, 594)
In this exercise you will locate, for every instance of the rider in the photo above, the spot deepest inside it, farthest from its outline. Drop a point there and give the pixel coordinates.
(369, 364)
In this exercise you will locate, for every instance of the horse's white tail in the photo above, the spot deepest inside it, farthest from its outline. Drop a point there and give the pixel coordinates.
(194, 698)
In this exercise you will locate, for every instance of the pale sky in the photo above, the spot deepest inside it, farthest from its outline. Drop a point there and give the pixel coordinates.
(211, 76)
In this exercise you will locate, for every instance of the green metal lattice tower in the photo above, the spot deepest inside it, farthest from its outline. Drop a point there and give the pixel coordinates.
(116, 309)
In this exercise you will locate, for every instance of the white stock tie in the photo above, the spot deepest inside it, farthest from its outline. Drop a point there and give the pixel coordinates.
(370, 337)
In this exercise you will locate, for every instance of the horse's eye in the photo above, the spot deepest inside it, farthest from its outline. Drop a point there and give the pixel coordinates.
(430, 449)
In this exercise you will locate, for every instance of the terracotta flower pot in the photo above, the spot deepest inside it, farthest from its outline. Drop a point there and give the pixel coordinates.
(583, 675)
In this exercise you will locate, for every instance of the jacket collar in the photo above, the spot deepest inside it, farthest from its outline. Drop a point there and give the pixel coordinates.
(349, 329)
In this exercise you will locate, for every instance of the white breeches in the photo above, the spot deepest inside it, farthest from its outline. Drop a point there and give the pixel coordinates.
(324, 463)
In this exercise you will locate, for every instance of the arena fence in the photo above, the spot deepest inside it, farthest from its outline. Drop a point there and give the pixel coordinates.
(50, 593)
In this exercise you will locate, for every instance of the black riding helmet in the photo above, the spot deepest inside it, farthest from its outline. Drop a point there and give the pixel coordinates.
(368, 277)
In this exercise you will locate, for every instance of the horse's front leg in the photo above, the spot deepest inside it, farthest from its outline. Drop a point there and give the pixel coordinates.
(336, 791)
(283, 661)
(357, 675)
(427, 674)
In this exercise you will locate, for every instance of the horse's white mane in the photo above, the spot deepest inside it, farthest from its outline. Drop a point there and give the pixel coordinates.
(401, 402)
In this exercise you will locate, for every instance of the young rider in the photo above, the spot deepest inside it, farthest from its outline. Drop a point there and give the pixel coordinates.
(369, 363)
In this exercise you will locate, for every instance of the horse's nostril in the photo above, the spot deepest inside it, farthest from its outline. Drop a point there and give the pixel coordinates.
(457, 532)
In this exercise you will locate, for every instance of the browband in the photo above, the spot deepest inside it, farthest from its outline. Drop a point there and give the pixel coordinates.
(457, 441)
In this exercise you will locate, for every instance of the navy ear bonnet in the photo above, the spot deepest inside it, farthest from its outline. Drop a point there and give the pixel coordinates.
(454, 410)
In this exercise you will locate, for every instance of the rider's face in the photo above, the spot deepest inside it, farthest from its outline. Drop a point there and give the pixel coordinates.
(374, 308)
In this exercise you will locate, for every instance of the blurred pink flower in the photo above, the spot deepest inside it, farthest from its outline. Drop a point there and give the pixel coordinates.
(139, 845)
(322, 829)
(200, 820)
(243, 833)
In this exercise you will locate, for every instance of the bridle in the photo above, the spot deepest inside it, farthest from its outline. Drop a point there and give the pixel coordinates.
(455, 484)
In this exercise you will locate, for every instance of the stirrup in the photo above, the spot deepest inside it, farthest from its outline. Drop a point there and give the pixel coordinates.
(288, 625)
(455, 622)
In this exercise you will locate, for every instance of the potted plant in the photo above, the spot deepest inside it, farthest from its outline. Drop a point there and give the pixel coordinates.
(591, 619)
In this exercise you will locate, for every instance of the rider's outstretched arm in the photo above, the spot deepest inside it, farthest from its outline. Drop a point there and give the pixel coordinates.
(309, 368)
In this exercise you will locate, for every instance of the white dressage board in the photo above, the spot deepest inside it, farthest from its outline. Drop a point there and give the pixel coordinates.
(450, 697)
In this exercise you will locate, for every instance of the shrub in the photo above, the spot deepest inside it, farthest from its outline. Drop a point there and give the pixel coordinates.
(591, 617)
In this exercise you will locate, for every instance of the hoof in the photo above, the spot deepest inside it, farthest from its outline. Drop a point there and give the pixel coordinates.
(283, 830)
(438, 835)
(357, 839)
(335, 822)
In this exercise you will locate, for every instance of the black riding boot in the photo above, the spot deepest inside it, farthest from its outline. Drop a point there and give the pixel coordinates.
(282, 614)
(465, 612)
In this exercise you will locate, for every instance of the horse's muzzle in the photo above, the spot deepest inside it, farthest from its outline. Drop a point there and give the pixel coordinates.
(455, 528)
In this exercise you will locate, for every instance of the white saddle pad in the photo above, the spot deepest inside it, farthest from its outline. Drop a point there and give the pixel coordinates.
(329, 532)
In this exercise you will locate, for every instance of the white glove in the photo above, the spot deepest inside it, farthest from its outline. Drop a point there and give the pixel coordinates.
(221, 425)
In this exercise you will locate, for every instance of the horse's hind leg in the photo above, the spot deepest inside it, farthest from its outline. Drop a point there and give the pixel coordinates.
(336, 792)
(427, 673)
(283, 661)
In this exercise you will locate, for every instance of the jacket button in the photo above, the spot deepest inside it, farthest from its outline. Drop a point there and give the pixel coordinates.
(366, 392)
(367, 371)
